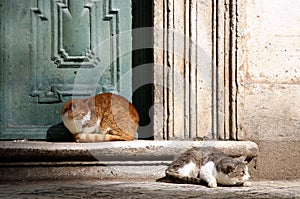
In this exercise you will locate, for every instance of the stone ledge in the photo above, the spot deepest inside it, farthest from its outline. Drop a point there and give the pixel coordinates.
(115, 151)
(107, 160)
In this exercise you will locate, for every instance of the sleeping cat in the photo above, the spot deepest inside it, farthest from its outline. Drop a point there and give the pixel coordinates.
(210, 165)
(104, 117)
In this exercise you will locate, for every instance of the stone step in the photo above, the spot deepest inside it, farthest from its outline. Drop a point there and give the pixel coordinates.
(108, 160)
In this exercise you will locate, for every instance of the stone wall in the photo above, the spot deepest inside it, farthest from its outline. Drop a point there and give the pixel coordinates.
(269, 84)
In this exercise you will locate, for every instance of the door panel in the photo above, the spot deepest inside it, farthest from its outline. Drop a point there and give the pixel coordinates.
(54, 50)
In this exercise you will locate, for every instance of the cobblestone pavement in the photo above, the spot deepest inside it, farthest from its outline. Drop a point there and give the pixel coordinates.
(145, 189)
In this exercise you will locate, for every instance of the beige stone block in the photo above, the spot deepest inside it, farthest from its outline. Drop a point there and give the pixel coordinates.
(273, 44)
(271, 112)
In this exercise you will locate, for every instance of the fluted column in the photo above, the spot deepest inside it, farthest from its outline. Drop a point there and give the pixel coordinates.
(194, 69)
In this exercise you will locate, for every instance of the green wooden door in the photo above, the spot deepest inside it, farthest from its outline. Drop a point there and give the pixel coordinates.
(52, 50)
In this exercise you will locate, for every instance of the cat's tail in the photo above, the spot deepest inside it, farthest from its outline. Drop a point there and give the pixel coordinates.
(183, 179)
(88, 137)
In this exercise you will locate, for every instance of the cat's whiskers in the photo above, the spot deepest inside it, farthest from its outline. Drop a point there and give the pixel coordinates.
(92, 129)
(227, 180)
(87, 117)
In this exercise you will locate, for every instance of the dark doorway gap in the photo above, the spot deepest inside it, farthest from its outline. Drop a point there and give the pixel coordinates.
(142, 19)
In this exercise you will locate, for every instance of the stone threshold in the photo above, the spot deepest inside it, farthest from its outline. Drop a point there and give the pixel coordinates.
(35, 160)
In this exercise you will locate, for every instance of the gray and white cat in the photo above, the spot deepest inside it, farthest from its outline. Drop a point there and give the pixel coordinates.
(210, 165)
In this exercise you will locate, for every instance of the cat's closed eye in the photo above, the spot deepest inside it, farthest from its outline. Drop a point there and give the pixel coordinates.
(74, 105)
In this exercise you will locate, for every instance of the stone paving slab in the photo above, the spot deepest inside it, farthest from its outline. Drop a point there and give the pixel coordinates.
(145, 189)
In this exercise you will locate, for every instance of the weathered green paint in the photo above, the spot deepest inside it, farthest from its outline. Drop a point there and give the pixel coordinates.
(53, 50)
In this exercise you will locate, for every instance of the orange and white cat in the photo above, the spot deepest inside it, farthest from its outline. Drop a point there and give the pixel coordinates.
(104, 117)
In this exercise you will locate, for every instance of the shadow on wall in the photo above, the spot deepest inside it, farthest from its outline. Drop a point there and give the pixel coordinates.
(59, 133)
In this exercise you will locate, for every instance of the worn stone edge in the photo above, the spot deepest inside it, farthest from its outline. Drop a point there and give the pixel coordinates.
(118, 160)
(116, 151)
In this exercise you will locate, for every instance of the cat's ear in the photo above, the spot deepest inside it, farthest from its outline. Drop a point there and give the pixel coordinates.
(242, 159)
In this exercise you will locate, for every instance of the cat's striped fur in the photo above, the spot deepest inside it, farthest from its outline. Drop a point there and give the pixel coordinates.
(104, 117)
(192, 157)
(209, 165)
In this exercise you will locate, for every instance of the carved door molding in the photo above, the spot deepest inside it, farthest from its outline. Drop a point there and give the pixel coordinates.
(52, 50)
(75, 28)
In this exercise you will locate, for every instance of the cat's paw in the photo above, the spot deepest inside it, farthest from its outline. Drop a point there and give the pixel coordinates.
(212, 185)
(247, 184)
(77, 137)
